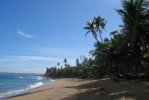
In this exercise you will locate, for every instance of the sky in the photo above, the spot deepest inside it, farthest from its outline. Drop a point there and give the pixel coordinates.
(36, 34)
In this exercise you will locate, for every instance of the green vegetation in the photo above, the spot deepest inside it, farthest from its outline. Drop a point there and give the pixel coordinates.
(124, 56)
(94, 26)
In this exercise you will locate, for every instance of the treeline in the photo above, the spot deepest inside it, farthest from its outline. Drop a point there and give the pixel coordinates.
(84, 68)
(125, 55)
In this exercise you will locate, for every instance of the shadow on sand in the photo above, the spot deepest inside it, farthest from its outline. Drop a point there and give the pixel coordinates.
(108, 90)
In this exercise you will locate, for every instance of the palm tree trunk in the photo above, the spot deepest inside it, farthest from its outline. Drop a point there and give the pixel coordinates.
(101, 37)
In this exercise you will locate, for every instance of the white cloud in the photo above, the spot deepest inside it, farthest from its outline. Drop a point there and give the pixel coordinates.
(27, 58)
(33, 61)
(63, 52)
(22, 69)
(24, 34)
(57, 53)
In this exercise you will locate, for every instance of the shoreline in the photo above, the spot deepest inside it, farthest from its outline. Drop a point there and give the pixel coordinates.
(13, 84)
(85, 89)
(30, 91)
(41, 93)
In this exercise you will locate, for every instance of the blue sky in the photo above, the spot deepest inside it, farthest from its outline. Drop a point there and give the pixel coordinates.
(35, 34)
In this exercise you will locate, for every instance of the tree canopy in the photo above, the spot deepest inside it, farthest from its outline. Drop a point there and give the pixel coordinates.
(124, 55)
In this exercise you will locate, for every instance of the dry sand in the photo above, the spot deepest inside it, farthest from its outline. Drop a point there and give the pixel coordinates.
(77, 89)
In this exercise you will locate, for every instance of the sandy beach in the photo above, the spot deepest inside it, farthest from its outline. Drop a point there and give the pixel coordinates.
(78, 89)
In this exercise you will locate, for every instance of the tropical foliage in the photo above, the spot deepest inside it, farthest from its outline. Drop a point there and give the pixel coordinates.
(125, 55)
(82, 69)
(96, 25)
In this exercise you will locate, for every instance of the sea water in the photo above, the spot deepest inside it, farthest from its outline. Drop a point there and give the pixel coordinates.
(12, 84)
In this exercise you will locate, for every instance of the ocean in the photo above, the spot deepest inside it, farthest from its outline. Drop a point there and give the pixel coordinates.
(12, 84)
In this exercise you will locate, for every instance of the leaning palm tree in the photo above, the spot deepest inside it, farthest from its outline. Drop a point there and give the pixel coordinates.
(91, 28)
(100, 25)
(96, 25)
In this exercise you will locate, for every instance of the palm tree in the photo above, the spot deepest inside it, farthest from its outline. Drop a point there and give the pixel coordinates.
(91, 29)
(65, 61)
(58, 64)
(100, 25)
(77, 62)
(96, 25)
(135, 16)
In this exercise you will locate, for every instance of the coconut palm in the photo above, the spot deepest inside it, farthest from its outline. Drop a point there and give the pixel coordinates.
(77, 62)
(91, 28)
(94, 26)
(99, 25)
(58, 64)
(135, 16)
(65, 61)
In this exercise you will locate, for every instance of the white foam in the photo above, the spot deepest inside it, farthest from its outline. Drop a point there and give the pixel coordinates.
(12, 93)
(19, 91)
(37, 77)
(36, 85)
